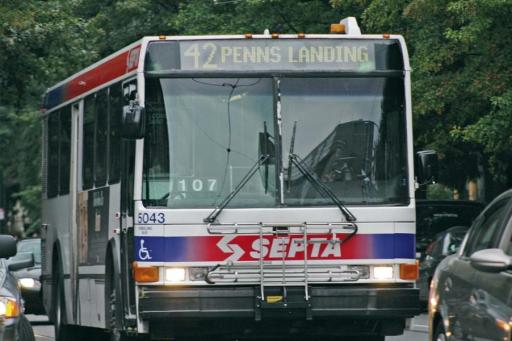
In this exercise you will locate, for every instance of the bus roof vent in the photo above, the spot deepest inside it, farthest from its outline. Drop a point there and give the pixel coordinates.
(351, 26)
(266, 32)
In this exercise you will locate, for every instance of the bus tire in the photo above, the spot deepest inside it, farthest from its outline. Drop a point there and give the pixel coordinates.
(63, 332)
(25, 331)
(113, 306)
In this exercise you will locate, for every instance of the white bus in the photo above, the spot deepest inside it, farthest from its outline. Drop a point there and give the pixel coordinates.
(201, 186)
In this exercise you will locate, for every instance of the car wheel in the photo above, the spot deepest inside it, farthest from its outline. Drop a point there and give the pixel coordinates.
(439, 333)
(25, 331)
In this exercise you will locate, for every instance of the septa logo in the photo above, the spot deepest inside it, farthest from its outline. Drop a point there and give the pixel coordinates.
(251, 248)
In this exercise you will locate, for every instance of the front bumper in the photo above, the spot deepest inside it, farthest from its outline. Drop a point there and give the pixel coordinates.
(330, 311)
(243, 302)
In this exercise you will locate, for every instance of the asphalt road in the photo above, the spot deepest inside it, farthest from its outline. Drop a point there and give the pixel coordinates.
(417, 332)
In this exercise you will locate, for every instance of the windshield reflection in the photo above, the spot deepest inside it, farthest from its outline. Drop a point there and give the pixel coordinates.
(350, 133)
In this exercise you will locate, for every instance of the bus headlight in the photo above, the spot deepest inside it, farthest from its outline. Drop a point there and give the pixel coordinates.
(175, 275)
(28, 283)
(9, 308)
(383, 272)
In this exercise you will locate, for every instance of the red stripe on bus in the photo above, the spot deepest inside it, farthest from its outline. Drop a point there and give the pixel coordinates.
(104, 73)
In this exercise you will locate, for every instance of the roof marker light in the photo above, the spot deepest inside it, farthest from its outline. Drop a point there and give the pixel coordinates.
(301, 36)
(248, 36)
(386, 35)
(338, 28)
(275, 35)
(162, 37)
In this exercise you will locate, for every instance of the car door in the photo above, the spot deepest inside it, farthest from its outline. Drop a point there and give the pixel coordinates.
(461, 298)
(492, 294)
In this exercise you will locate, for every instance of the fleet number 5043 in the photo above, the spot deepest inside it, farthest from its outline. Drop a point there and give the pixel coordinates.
(151, 218)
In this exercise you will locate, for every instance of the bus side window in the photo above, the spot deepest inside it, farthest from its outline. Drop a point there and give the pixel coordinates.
(88, 142)
(115, 111)
(65, 150)
(100, 169)
(53, 155)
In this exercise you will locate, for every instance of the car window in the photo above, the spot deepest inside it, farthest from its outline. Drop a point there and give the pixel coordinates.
(486, 229)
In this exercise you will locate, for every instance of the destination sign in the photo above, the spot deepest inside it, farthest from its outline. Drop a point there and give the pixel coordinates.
(283, 54)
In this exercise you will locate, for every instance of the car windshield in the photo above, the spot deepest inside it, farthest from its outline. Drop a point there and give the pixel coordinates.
(30, 245)
(204, 134)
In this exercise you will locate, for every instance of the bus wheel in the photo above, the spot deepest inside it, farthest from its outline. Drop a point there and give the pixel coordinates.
(63, 332)
(113, 310)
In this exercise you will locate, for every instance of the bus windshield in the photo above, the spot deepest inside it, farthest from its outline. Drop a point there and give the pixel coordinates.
(204, 134)
(350, 133)
(203, 137)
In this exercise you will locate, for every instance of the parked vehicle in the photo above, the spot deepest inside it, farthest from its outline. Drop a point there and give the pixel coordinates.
(435, 216)
(471, 291)
(30, 278)
(445, 243)
(14, 326)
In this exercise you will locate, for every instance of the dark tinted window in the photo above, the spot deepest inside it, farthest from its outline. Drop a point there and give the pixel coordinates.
(100, 168)
(487, 228)
(435, 217)
(53, 155)
(116, 109)
(65, 150)
(88, 142)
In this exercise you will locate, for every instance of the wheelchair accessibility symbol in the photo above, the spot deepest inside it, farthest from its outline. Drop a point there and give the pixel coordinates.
(144, 252)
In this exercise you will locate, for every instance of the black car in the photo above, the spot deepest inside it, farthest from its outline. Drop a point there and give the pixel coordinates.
(471, 291)
(14, 326)
(30, 278)
(445, 243)
(435, 216)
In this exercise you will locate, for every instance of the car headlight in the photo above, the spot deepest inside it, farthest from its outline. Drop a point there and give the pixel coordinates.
(9, 307)
(28, 283)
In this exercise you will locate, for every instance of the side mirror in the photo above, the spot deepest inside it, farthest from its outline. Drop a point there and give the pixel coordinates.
(427, 167)
(132, 122)
(7, 246)
(21, 261)
(490, 260)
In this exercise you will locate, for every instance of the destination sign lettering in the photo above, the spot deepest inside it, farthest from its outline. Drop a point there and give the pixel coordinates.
(285, 54)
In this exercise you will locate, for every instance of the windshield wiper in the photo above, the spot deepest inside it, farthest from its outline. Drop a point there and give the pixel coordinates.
(320, 187)
(215, 213)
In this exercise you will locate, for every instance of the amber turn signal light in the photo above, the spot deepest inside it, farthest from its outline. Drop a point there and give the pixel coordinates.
(145, 274)
(409, 271)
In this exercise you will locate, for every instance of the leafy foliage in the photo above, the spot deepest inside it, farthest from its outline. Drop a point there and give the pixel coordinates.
(460, 53)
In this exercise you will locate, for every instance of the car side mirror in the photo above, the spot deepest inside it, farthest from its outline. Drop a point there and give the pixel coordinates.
(427, 168)
(21, 261)
(490, 260)
(132, 122)
(7, 246)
